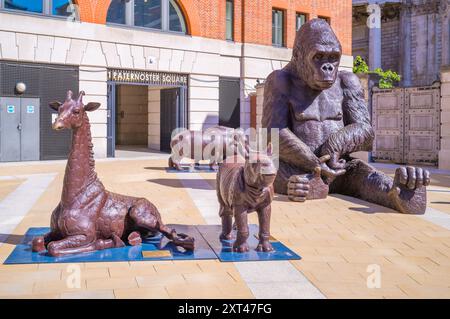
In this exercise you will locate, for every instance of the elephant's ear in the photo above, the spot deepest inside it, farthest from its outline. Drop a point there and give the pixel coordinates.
(55, 105)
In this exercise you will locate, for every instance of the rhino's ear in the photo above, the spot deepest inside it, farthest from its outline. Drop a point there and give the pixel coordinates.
(92, 106)
(55, 105)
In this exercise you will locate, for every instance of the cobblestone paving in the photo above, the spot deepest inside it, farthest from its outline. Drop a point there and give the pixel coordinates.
(339, 238)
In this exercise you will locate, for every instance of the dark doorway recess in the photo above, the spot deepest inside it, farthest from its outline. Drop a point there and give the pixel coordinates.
(229, 102)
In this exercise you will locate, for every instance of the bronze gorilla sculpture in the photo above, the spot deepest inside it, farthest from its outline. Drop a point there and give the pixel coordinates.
(323, 118)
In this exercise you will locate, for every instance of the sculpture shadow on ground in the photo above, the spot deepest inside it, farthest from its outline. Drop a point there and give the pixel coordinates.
(368, 208)
(156, 168)
(178, 183)
(11, 239)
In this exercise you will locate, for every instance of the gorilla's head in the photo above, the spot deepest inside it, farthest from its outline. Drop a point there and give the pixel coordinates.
(316, 54)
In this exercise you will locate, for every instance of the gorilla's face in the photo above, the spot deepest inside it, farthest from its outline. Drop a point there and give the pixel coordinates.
(316, 55)
(324, 63)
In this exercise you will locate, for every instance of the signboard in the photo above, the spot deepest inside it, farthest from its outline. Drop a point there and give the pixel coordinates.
(30, 109)
(10, 109)
(148, 77)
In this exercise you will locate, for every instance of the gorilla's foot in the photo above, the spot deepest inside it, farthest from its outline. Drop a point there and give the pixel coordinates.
(408, 192)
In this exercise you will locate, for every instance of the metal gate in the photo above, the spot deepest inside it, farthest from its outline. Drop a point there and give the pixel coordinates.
(407, 125)
(19, 129)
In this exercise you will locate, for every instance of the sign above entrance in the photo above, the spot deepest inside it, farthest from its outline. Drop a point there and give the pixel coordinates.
(148, 77)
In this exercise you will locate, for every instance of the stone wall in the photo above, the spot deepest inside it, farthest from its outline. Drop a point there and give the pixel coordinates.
(444, 153)
(154, 118)
(390, 54)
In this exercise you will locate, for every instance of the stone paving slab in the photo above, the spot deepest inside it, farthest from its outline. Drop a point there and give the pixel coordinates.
(341, 239)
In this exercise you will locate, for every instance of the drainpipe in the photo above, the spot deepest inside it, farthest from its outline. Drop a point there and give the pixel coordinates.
(242, 69)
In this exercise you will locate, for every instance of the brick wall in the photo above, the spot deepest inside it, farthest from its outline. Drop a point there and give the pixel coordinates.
(206, 18)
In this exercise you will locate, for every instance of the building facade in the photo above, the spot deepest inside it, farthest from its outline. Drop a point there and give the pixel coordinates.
(154, 65)
(412, 38)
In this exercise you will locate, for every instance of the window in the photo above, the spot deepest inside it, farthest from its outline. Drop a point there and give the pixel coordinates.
(63, 8)
(116, 12)
(36, 6)
(327, 19)
(300, 20)
(147, 13)
(176, 18)
(229, 20)
(277, 27)
(165, 15)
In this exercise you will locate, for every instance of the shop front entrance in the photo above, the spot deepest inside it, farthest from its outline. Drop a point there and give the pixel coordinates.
(144, 108)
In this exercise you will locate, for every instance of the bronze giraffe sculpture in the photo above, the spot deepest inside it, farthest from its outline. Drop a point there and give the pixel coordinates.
(88, 217)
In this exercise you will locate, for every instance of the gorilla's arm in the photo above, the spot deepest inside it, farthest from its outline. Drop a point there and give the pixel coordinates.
(358, 134)
(276, 114)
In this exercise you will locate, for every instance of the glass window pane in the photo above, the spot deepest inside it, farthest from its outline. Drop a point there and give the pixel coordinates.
(229, 9)
(274, 37)
(229, 20)
(25, 5)
(301, 19)
(176, 19)
(116, 12)
(62, 8)
(147, 13)
(277, 27)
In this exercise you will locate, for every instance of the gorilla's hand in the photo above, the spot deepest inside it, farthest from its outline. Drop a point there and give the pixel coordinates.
(331, 170)
(335, 163)
(298, 188)
(411, 178)
(408, 191)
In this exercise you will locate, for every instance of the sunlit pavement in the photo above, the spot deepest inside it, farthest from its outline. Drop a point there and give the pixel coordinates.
(350, 248)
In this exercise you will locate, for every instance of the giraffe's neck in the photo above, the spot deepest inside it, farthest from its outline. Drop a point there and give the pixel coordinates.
(80, 169)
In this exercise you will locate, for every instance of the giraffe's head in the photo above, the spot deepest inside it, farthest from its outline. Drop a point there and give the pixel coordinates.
(71, 113)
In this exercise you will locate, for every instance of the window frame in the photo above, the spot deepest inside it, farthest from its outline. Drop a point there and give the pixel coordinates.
(165, 18)
(231, 21)
(298, 13)
(47, 6)
(327, 19)
(283, 28)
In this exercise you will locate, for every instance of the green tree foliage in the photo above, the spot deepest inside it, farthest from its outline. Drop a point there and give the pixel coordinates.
(387, 78)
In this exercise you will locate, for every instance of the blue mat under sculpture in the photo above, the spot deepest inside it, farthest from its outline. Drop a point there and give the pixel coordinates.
(207, 246)
(224, 248)
(152, 248)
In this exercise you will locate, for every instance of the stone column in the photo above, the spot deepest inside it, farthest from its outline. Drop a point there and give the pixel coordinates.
(445, 34)
(364, 79)
(444, 153)
(259, 104)
(374, 25)
(405, 43)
